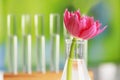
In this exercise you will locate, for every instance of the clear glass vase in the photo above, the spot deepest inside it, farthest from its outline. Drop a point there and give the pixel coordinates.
(75, 68)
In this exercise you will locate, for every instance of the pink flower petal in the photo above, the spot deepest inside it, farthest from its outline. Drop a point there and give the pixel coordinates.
(98, 24)
(66, 16)
(73, 26)
(77, 13)
(99, 31)
(82, 26)
(87, 34)
(90, 22)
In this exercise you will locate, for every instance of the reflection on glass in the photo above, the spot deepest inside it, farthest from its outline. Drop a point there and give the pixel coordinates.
(11, 24)
(39, 24)
(26, 24)
(55, 41)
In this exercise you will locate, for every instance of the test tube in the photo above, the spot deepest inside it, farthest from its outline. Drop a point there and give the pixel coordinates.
(12, 44)
(40, 42)
(55, 42)
(26, 43)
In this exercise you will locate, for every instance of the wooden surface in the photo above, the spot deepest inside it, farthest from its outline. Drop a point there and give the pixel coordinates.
(36, 76)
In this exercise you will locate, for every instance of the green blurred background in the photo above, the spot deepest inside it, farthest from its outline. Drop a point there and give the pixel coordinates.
(103, 48)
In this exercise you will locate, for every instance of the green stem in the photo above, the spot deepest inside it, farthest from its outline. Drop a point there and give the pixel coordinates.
(71, 56)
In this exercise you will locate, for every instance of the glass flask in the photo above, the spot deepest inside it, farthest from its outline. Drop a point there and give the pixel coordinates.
(77, 69)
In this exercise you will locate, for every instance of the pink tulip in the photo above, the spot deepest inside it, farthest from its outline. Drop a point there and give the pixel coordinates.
(81, 26)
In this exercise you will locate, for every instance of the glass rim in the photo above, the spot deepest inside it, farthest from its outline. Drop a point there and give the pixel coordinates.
(79, 41)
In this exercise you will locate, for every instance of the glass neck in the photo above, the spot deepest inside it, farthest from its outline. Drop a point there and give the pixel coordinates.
(79, 48)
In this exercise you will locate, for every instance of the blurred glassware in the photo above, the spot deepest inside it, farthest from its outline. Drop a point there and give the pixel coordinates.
(1, 75)
(55, 42)
(12, 44)
(26, 43)
(107, 69)
(40, 42)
